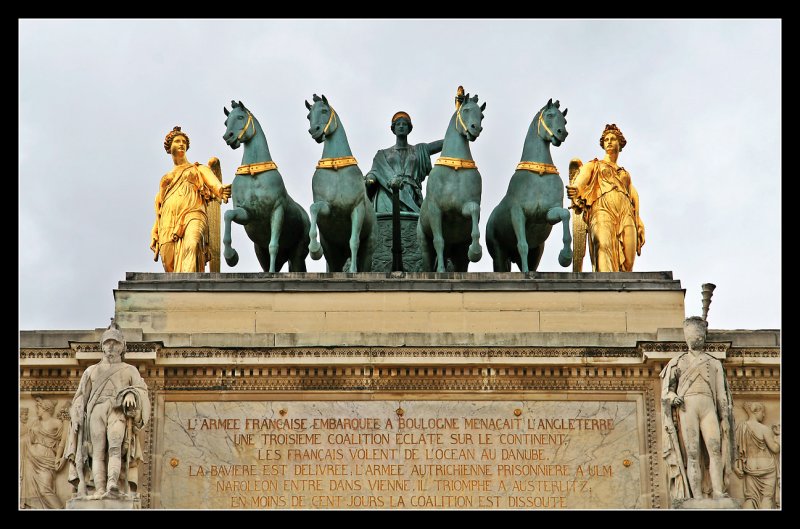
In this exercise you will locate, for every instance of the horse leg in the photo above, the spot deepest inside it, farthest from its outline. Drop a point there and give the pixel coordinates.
(473, 210)
(518, 224)
(262, 254)
(535, 256)
(367, 249)
(555, 215)
(435, 221)
(317, 208)
(459, 258)
(276, 223)
(328, 252)
(297, 261)
(239, 216)
(356, 222)
(500, 261)
(426, 248)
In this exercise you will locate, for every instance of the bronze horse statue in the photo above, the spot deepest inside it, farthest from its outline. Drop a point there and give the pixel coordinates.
(276, 224)
(341, 207)
(450, 211)
(521, 222)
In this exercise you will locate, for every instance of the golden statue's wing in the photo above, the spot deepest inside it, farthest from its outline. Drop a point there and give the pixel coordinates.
(213, 163)
(214, 217)
(574, 166)
(578, 225)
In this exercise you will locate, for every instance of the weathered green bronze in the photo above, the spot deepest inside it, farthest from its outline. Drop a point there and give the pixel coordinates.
(520, 224)
(276, 224)
(409, 164)
(397, 246)
(402, 167)
(448, 221)
(341, 207)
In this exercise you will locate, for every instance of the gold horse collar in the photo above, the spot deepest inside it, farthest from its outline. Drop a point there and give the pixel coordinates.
(456, 163)
(536, 167)
(336, 163)
(255, 168)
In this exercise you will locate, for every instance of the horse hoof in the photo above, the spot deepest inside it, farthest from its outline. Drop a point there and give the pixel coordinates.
(475, 253)
(231, 258)
(565, 258)
(315, 250)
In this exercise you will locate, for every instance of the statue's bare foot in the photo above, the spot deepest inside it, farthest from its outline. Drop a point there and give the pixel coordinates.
(719, 495)
(81, 491)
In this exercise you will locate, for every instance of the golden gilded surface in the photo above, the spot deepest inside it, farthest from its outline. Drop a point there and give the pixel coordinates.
(536, 167)
(604, 193)
(181, 232)
(255, 168)
(456, 163)
(336, 163)
(214, 223)
(578, 224)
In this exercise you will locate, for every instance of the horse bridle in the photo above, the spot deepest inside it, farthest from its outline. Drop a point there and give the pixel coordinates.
(543, 124)
(249, 122)
(328, 124)
(459, 119)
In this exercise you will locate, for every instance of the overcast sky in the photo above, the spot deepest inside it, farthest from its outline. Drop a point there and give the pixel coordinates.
(699, 103)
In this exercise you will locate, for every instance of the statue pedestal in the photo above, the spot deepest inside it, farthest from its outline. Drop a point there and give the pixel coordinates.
(324, 309)
(412, 255)
(105, 504)
(708, 503)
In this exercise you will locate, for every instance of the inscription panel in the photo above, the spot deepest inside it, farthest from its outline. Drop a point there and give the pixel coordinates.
(401, 454)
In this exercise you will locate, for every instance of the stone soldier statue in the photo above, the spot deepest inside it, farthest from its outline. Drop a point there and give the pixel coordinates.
(698, 446)
(108, 413)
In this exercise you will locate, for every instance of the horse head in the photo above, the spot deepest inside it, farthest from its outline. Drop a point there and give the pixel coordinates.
(551, 123)
(322, 118)
(239, 125)
(469, 117)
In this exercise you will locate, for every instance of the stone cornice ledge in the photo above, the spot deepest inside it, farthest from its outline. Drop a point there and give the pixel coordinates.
(154, 353)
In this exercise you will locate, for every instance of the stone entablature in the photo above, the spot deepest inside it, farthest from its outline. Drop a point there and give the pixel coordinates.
(178, 338)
